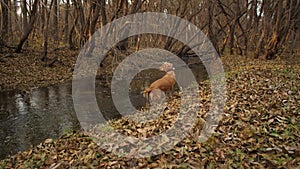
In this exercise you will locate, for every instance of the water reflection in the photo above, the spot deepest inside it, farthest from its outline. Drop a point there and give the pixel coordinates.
(29, 118)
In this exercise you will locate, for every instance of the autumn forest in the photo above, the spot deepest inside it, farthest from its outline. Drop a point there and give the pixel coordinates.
(257, 58)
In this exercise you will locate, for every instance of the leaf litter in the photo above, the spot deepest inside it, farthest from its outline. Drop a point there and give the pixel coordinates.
(260, 128)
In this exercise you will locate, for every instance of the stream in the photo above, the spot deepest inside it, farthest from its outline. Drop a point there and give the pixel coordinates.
(27, 119)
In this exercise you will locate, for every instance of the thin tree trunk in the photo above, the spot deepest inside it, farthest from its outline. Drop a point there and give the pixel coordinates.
(4, 25)
(123, 45)
(16, 20)
(10, 32)
(67, 8)
(272, 46)
(82, 21)
(95, 10)
(55, 20)
(46, 30)
(258, 45)
(210, 19)
(29, 28)
(103, 13)
(24, 13)
(71, 43)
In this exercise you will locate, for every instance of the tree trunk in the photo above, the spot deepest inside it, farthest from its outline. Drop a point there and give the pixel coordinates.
(29, 28)
(9, 31)
(46, 30)
(55, 20)
(15, 20)
(103, 13)
(210, 19)
(95, 10)
(71, 43)
(272, 46)
(4, 25)
(67, 8)
(123, 45)
(24, 13)
(82, 21)
(24, 17)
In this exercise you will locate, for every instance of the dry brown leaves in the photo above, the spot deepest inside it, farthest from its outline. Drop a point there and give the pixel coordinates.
(260, 128)
(26, 70)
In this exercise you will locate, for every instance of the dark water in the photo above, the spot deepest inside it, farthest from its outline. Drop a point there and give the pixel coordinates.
(29, 118)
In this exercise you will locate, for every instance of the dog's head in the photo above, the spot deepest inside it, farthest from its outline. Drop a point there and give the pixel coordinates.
(166, 66)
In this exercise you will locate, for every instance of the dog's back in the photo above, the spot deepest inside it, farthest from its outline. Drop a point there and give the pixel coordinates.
(165, 84)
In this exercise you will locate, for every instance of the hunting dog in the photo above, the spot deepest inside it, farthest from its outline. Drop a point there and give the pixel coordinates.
(164, 84)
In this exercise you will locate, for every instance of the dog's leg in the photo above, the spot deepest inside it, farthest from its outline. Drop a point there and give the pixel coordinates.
(156, 97)
(147, 105)
(147, 100)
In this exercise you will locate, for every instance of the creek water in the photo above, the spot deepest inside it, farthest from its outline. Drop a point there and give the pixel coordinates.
(28, 118)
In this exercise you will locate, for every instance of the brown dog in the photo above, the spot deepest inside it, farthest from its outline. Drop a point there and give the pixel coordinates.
(165, 84)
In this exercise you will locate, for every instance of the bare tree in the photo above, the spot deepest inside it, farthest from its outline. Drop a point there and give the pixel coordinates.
(29, 27)
(285, 16)
(46, 30)
(259, 27)
(103, 13)
(4, 24)
(82, 21)
(66, 29)
(24, 14)
(55, 20)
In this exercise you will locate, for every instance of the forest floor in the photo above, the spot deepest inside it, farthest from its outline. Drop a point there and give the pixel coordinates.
(260, 125)
(24, 71)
